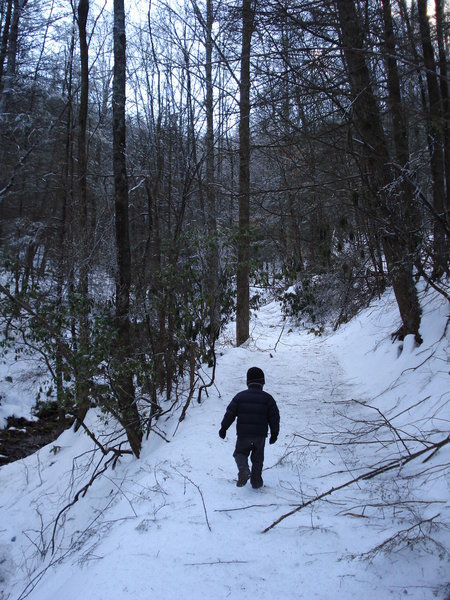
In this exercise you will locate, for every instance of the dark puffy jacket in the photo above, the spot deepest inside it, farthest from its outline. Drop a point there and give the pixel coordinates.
(255, 410)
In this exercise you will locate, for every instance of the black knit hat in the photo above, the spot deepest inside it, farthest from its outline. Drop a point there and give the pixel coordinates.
(255, 375)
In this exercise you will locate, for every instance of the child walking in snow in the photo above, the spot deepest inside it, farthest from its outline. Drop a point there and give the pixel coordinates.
(256, 411)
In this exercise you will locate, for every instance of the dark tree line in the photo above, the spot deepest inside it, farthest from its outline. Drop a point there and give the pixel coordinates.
(156, 166)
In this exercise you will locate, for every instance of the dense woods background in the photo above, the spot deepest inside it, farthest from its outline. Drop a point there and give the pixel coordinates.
(159, 159)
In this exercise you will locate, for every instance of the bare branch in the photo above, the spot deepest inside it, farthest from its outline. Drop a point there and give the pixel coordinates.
(400, 462)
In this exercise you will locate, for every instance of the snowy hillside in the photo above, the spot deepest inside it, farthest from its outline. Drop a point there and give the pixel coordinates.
(174, 525)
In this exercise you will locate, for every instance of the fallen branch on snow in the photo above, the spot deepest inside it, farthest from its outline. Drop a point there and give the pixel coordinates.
(249, 506)
(400, 462)
(201, 496)
(408, 537)
(83, 491)
(217, 562)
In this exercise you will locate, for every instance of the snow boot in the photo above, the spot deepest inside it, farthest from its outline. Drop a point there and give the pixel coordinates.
(243, 477)
(257, 482)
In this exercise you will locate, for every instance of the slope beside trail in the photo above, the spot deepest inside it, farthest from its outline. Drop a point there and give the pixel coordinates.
(174, 525)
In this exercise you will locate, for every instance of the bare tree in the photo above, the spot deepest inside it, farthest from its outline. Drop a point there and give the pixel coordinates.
(8, 77)
(82, 391)
(397, 112)
(436, 138)
(243, 266)
(211, 207)
(124, 377)
(376, 162)
(6, 23)
(442, 35)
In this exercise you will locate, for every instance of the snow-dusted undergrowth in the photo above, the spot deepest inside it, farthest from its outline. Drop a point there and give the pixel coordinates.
(173, 524)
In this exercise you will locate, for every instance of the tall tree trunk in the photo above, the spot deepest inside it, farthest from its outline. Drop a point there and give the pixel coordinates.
(399, 127)
(435, 134)
(10, 73)
(67, 200)
(393, 84)
(124, 377)
(213, 250)
(4, 43)
(444, 87)
(243, 266)
(82, 373)
(376, 163)
(293, 242)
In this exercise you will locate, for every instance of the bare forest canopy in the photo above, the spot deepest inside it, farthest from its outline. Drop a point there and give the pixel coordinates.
(159, 162)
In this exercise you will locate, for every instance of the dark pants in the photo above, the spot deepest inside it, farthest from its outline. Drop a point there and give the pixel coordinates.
(253, 447)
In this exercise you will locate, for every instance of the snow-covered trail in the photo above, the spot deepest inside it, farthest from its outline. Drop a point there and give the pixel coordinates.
(302, 373)
(174, 525)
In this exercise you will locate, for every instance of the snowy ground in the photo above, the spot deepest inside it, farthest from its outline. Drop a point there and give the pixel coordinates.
(174, 525)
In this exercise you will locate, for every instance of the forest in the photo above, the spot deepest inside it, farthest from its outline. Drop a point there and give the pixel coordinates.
(165, 164)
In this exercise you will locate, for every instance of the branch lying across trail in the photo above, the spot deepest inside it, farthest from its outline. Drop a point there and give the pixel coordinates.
(400, 462)
(217, 562)
(247, 507)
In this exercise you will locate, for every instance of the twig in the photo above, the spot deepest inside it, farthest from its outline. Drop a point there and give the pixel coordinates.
(247, 507)
(186, 405)
(119, 489)
(321, 442)
(279, 337)
(430, 281)
(213, 378)
(161, 435)
(423, 198)
(82, 492)
(217, 562)
(33, 582)
(201, 496)
(388, 423)
(402, 536)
